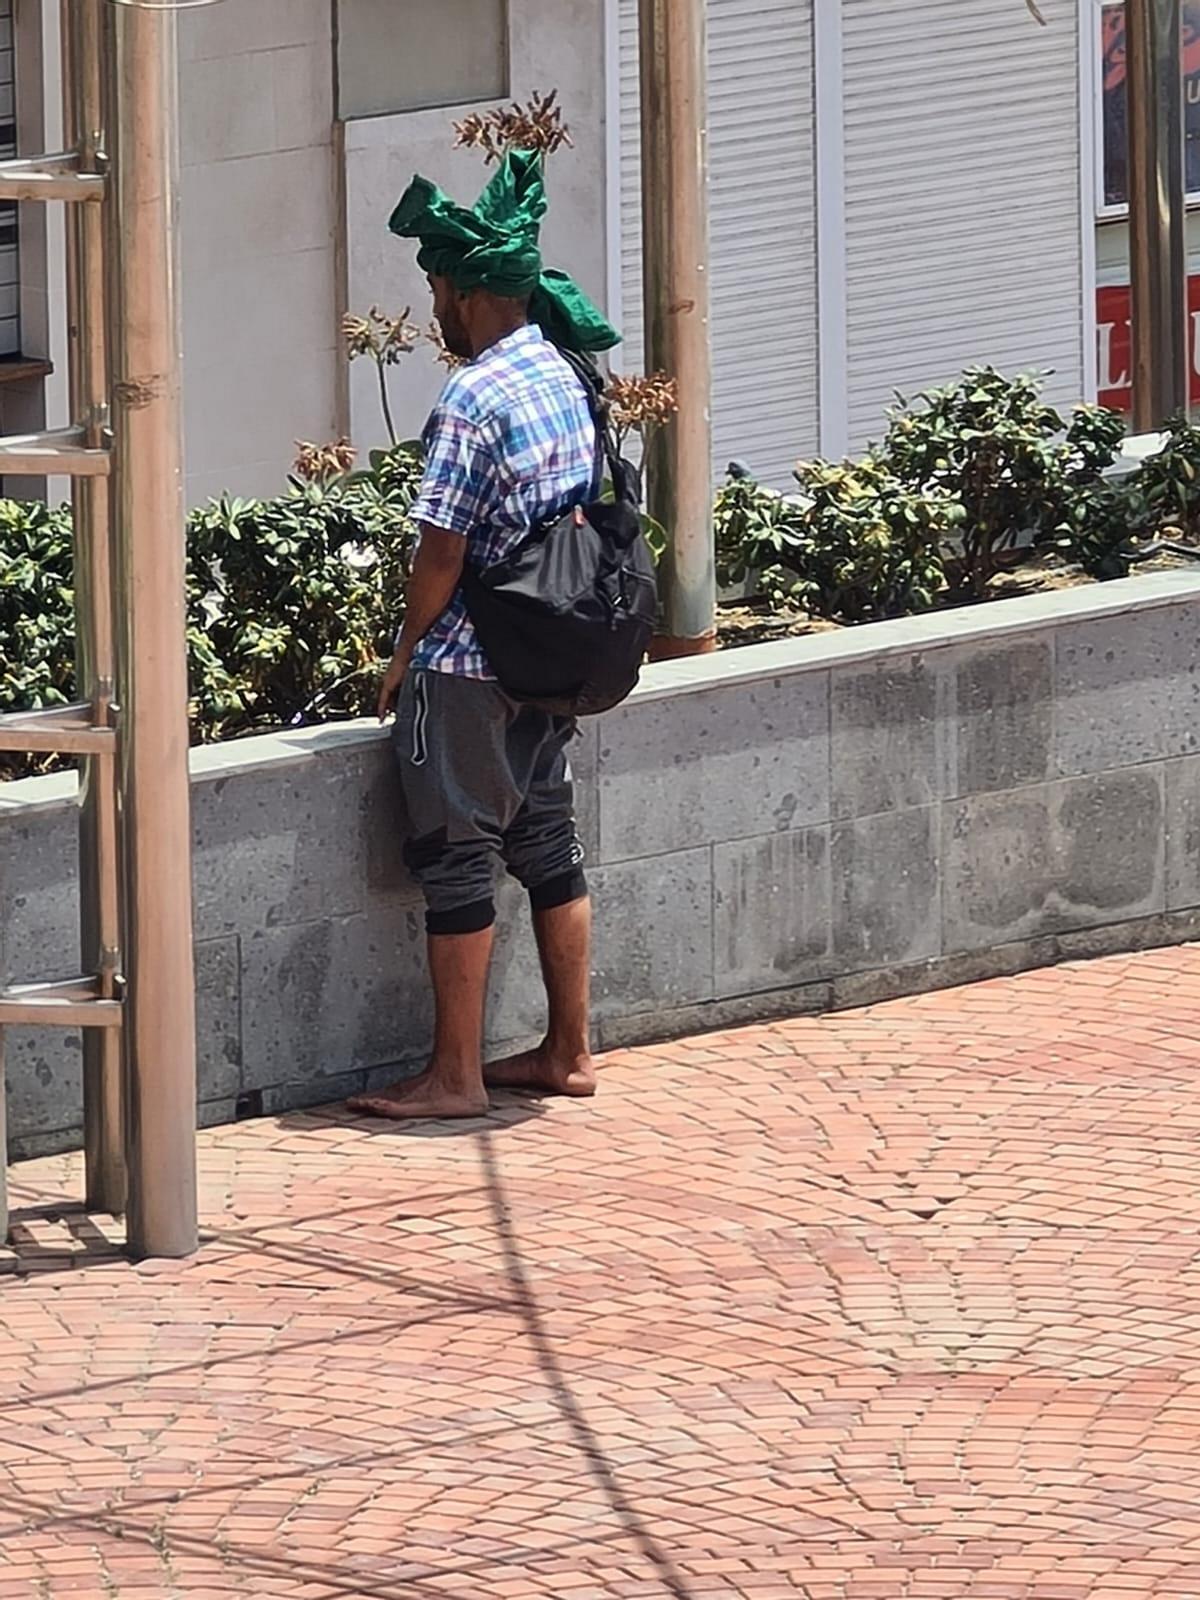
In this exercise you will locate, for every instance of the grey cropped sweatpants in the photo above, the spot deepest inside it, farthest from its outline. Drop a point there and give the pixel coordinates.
(485, 781)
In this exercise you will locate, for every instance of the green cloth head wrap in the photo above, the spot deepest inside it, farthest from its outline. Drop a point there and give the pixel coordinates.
(494, 246)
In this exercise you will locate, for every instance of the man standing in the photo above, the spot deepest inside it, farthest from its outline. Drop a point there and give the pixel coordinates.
(510, 444)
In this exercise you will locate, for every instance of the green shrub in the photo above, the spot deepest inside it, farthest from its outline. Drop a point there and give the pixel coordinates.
(748, 530)
(1105, 521)
(993, 444)
(1093, 516)
(1162, 498)
(291, 602)
(1094, 530)
(37, 629)
(969, 472)
(37, 618)
(1093, 443)
(855, 543)
(288, 608)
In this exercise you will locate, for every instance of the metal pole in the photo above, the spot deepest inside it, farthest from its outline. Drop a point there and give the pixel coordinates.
(675, 253)
(160, 1029)
(83, 123)
(1157, 210)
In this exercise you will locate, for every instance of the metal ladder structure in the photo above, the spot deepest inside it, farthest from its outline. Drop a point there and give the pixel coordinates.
(135, 1000)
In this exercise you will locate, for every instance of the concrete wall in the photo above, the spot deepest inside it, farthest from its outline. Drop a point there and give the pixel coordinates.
(259, 236)
(284, 223)
(803, 825)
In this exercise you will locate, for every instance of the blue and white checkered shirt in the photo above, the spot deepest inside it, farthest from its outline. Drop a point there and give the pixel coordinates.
(510, 443)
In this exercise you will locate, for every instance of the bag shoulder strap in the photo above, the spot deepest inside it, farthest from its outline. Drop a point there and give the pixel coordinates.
(620, 472)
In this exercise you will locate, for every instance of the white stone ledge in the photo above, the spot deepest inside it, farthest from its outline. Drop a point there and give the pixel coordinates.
(935, 630)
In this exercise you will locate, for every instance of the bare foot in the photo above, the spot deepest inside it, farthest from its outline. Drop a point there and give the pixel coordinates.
(540, 1069)
(423, 1097)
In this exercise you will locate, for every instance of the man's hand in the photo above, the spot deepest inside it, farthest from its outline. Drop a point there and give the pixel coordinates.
(393, 679)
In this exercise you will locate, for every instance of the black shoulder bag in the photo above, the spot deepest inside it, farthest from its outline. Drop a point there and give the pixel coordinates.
(565, 617)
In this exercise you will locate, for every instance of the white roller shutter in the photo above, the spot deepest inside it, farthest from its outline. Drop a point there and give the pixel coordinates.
(962, 149)
(630, 355)
(763, 234)
(10, 325)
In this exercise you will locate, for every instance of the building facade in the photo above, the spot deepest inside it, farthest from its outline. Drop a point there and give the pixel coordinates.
(898, 188)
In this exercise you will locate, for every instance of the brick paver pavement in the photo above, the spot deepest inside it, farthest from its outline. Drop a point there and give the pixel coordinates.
(894, 1304)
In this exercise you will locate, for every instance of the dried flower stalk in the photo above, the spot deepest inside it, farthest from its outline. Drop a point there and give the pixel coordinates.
(384, 340)
(320, 463)
(537, 125)
(641, 405)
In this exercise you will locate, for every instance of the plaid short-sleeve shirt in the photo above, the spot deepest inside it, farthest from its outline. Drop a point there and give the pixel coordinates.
(510, 443)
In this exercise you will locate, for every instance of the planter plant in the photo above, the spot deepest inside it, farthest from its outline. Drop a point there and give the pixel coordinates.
(855, 544)
(1009, 459)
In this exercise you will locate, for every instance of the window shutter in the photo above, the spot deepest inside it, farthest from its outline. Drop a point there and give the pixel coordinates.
(763, 234)
(10, 288)
(962, 140)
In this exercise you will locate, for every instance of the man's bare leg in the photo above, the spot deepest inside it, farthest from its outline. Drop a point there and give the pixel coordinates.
(562, 1063)
(452, 1084)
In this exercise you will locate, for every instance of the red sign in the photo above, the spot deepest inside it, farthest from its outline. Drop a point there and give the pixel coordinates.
(1115, 345)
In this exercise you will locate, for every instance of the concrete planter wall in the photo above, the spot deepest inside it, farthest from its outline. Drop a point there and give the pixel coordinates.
(790, 826)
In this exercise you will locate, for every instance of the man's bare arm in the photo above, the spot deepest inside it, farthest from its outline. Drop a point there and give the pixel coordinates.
(436, 573)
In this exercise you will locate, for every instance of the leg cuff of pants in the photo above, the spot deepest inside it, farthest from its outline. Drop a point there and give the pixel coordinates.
(463, 919)
(560, 891)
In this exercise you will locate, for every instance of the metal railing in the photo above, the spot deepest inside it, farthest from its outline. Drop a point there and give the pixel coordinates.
(135, 1003)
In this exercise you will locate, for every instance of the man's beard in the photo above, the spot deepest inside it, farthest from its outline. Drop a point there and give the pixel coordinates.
(454, 336)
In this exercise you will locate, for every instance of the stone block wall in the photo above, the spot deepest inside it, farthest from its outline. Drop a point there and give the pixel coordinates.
(795, 826)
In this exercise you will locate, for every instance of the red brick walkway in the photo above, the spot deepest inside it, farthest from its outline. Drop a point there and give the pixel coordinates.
(899, 1303)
